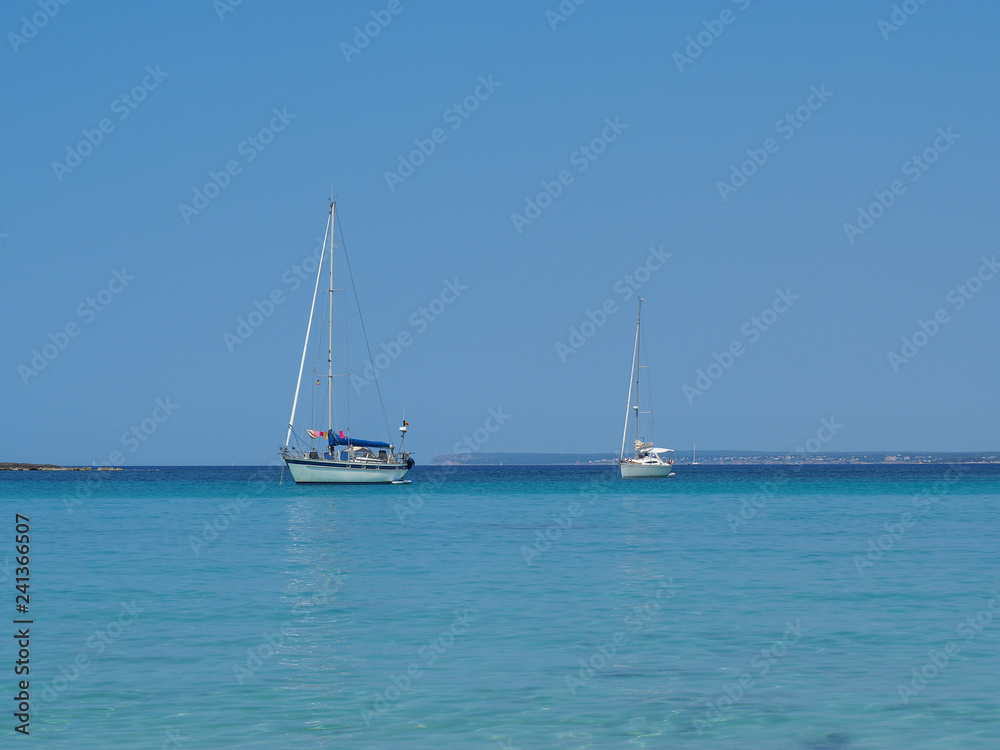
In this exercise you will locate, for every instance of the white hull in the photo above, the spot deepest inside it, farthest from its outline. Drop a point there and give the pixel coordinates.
(311, 471)
(348, 461)
(646, 471)
(648, 462)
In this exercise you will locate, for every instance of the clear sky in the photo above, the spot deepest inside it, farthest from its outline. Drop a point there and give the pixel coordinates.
(739, 154)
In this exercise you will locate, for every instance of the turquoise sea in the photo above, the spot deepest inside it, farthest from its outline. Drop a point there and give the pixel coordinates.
(833, 608)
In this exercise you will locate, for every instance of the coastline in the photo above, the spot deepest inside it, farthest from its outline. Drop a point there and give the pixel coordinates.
(53, 467)
(729, 458)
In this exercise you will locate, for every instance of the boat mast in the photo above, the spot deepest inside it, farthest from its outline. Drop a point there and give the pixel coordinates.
(333, 208)
(305, 346)
(638, 367)
(628, 405)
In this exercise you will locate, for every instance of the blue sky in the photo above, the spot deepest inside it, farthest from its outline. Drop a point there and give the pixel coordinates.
(863, 101)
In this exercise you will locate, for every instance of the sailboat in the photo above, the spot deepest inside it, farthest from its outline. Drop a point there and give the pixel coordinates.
(648, 461)
(344, 459)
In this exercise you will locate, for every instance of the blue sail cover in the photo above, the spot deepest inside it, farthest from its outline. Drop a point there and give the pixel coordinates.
(336, 440)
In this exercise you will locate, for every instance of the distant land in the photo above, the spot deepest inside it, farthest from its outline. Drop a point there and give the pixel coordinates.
(717, 458)
(51, 467)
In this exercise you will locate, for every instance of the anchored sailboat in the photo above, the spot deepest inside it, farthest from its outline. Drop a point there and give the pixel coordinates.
(648, 461)
(344, 459)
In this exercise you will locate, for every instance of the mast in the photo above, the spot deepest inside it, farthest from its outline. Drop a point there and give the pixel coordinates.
(333, 207)
(638, 367)
(628, 405)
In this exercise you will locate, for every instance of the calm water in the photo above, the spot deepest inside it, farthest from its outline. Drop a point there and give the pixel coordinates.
(511, 607)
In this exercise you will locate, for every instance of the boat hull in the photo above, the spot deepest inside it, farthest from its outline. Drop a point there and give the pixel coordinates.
(646, 471)
(313, 471)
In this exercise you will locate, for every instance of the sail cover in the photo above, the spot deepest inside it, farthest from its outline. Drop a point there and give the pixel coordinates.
(339, 439)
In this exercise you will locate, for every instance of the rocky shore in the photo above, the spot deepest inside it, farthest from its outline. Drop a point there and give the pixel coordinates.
(52, 467)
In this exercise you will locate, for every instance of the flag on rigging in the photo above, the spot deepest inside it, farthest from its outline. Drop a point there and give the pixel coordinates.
(315, 433)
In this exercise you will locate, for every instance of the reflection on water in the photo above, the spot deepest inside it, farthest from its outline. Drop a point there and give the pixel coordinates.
(316, 617)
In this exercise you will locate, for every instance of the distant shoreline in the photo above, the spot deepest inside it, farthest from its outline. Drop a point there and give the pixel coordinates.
(687, 464)
(53, 467)
(709, 458)
(728, 458)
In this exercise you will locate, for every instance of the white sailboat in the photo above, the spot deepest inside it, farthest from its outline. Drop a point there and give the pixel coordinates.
(648, 462)
(343, 459)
